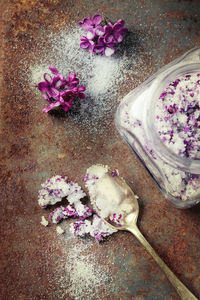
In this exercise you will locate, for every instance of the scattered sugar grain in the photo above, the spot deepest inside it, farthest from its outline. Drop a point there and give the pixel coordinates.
(44, 222)
(80, 276)
(59, 230)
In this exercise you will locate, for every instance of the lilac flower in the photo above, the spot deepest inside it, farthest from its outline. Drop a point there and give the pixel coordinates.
(104, 47)
(86, 43)
(49, 86)
(72, 80)
(59, 91)
(114, 33)
(78, 91)
(100, 39)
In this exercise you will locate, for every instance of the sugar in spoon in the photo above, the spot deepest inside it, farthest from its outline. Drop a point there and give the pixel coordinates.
(114, 194)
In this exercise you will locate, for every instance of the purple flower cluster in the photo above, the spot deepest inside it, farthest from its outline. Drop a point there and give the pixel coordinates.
(101, 39)
(60, 91)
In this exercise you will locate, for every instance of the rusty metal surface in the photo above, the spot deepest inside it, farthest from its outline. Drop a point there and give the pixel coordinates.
(36, 263)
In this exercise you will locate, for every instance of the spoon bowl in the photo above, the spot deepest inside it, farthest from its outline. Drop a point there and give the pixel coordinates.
(113, 195)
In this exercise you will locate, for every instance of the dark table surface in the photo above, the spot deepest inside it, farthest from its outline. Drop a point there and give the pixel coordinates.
(36, 263)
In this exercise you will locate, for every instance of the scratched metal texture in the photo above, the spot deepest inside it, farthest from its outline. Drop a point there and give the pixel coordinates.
(36, 263)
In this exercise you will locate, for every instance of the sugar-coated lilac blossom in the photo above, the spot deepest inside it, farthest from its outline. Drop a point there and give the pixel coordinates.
(75, 193)
(70, 211)
(83, 211)
(116, 219)
(56, 188)
(59, 91)
(99, 39)
(60, 213)
(100, 228)
(97, 228)
(53, 190)
(57, 215)
(80, 228)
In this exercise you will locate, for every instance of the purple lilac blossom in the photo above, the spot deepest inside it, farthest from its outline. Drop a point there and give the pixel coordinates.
(86, 43)
(114, 33)
(60, 91)
(100, 39)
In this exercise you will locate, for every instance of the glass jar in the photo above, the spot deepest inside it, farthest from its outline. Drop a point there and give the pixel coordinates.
(178, 176)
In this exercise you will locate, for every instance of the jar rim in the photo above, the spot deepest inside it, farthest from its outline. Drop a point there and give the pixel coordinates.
(193, 165)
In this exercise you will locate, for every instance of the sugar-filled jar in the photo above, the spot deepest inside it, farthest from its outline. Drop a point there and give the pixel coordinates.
(160, 120)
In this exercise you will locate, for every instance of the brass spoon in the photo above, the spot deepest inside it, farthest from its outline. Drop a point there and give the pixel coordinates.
(116, 193)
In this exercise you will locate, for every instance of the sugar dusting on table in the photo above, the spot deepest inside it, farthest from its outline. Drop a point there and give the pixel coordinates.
(102, 76)
(79, 275)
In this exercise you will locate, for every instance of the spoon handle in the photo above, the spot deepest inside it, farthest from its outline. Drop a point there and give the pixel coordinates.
(181, 289)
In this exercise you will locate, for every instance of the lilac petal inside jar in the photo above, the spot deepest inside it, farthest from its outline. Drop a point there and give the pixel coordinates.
(178, 116)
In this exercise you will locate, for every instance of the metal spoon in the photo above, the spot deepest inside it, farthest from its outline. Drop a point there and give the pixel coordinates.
(114, 190)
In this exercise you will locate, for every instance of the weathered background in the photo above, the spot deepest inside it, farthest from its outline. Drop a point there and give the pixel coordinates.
(36, 263)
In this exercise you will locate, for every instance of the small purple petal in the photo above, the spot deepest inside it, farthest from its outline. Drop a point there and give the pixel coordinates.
(118, 37)
(81, 88)
(47, 77)
(118, 25)
(42, 86)
(84, 45)
(50, 107)
(109, 38)
(107, 29)
(81, 95)
(96, 20)
(53, 70)
(99, 31)
(86, 23)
